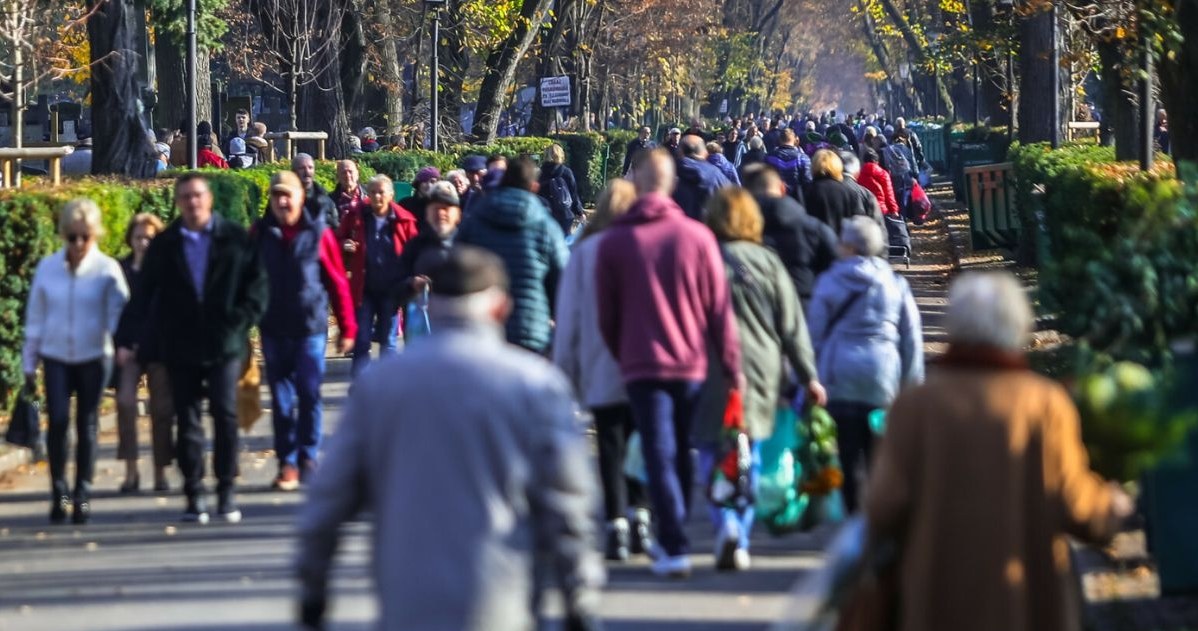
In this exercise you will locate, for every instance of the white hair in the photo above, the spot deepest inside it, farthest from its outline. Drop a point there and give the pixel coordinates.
(988, 309)
(862, 235)
(756, 143)
(852, 165)
(80, 209)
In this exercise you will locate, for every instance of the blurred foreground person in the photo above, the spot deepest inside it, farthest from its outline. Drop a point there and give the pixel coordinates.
(981, 475)
(868, 342)
(507, 465)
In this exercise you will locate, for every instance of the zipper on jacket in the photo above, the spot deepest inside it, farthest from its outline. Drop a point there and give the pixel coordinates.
(71, 314)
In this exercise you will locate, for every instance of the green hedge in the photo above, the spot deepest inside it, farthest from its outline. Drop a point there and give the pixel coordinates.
(28, 232)
(1121, 271)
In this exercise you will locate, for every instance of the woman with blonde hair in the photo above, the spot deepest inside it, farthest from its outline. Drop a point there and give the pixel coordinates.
(773, 341)
(136, 356)
(559, 189)
(579, 350)
(828, 198)
(73, 308)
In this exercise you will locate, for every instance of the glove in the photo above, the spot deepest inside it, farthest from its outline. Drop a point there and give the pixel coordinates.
(312, 614)
(583, 622)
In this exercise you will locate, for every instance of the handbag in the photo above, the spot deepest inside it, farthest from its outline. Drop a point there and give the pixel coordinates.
(24, 426)
(249, 397)
(730, 484)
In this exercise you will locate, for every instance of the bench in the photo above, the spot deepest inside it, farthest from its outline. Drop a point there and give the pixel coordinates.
(289, 139)
(10, 157)
(990, 197)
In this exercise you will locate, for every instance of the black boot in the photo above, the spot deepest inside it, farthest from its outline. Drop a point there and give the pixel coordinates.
(58, 509)
(82, 513)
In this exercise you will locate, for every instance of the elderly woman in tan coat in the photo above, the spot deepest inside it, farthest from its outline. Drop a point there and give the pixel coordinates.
(982, 474)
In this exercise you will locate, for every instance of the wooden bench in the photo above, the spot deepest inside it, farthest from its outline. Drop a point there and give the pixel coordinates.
(1082, 129)
(289, 139)
(990, 196)
(10, 159)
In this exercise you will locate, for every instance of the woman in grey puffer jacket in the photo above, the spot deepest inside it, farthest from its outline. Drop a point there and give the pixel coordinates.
(868, 343)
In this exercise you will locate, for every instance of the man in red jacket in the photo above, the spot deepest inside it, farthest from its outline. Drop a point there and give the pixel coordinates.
(303, 264)
(663, 297)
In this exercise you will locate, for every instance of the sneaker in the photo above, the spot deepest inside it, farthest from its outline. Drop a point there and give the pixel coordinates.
(616, 548)
(672, 567)
(227, 509)
(726, 542)
(288, 478)
(642, 533)
(741, 560)
(197, 511)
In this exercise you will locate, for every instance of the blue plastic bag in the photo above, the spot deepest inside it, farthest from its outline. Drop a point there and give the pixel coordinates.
(416, 317)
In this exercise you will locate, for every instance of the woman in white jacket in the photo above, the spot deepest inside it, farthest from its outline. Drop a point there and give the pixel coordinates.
(578, 349)
(74, 306)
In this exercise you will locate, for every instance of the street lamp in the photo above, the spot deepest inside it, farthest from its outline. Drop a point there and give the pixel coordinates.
(904, 74)
(192, 140)
(934, 46)
(434, 74)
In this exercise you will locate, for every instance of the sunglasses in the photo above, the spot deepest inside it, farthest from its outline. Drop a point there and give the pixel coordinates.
(77, 238)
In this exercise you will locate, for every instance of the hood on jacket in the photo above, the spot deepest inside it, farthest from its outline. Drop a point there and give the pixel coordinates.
(718, 160)
(510, 207)
(650, 207)
(696, 171)
(786, 153)
(857, 273)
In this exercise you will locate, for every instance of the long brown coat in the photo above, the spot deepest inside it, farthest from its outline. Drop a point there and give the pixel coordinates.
(980, 476)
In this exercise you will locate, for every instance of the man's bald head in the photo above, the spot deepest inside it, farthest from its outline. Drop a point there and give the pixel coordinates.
(654, 172)
(692, 146)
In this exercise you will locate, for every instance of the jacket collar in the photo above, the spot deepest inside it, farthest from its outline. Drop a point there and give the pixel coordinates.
(982, 357)
(650, 207)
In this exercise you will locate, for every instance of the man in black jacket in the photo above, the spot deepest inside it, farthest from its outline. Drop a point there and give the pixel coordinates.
(642, 142)
(805, 244)
(203, 286)
(317, 202)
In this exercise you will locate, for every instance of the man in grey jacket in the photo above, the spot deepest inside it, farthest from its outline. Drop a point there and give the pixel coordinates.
(467, 493)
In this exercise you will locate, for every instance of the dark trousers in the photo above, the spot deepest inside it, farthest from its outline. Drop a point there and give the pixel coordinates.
(188, 383)
(613, 426)
(86, 383)
(664, 411)
(855, 441)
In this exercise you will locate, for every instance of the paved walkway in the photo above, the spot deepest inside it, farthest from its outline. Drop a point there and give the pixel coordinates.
(136, 568)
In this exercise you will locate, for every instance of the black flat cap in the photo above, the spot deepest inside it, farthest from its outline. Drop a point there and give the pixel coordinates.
(467, 270)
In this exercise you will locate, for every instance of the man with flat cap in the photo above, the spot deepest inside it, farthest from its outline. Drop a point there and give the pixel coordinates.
(469, 490)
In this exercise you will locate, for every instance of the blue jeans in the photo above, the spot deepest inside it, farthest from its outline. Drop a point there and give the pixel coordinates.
(295, 370)
(709, 454)
(664, 411)
(378, 321)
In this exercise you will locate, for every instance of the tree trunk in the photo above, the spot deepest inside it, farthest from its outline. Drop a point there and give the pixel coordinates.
(1120, 123)
(171, 61)
(1035, 87)
(550, 64)
(1178, 77)
(501, 69)
(455, 63)
(353, 63)
(122, 143)
(392, 72)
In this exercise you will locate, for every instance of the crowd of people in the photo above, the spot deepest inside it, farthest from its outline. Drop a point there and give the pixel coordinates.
(705, 272)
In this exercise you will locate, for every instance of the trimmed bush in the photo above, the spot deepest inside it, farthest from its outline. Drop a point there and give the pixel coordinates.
(28, 232)
(1121, 271)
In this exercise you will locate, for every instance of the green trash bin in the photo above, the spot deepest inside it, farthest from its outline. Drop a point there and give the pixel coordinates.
(972, 154)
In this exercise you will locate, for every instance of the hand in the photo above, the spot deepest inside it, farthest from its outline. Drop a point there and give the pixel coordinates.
(350, 246)
(1122, 506)
(124, 356)
(312, 614)
(817, 394)
(420, 283)
(345, 345)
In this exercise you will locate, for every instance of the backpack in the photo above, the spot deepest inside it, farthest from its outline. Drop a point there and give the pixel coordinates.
(561, 202)
(900, 168)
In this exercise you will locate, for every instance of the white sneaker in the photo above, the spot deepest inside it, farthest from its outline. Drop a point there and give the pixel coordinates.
(741, 560)
(672, 567)
(726, 542)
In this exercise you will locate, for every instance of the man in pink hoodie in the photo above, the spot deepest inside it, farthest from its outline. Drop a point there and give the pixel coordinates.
(663, 296)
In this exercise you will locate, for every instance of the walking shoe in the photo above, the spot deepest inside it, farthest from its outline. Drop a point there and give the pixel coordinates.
(288, 478)
(82, 512)
(672, 567)
(741, 560)
(642, 532)
(197, 511)
(227, 508)
(617, 540)
(726, 542)
(58, 509)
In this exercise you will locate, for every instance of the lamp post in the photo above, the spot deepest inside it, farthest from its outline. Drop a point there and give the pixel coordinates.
(1056, 80)
(435, 75)
(934, 47)
(192, 140)
(1147, 115)
(904, 74)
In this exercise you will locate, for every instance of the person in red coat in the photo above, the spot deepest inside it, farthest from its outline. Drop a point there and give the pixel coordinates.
(877, 181)
(373, 240)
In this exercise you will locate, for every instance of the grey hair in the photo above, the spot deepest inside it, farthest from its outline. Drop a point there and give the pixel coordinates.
(989, 309)
(80, 209)
(852, 165)
(862, 235)
(455, 173)
(380, 180)
(756, 143)
(300, 158)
